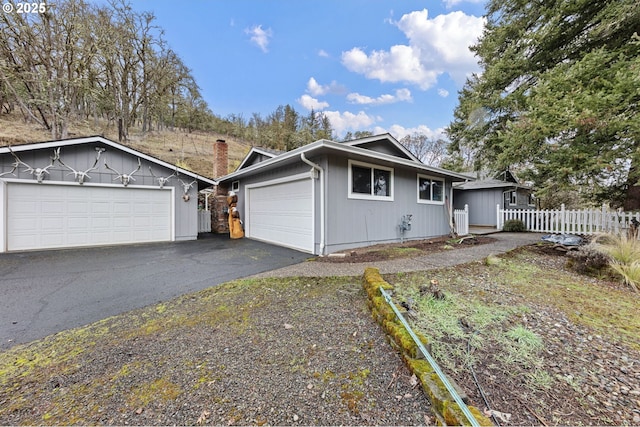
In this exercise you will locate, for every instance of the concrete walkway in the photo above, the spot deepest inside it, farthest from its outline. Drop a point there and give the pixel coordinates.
(504, 243)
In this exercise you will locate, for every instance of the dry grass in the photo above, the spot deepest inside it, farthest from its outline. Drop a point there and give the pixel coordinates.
(192, 151)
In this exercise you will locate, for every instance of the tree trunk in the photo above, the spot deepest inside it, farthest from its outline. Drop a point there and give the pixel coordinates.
(120, 131)
(632, 199)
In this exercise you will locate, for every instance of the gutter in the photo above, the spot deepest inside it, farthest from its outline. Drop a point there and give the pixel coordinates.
(369, 154)
(322, 214)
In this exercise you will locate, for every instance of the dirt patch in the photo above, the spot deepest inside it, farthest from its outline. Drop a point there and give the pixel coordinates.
(548, 346)
(411, 249)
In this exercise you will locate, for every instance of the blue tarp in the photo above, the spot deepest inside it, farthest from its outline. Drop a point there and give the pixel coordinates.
(564, 239)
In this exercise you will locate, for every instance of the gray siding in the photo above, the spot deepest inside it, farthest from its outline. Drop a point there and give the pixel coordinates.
(355, 223)
(81, 157)
(483, 202)
(383, 147)
(482, 205)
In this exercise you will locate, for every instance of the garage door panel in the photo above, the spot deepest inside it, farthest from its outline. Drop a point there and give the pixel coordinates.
(122, 208)
(78, 207)
(283, 214)
(47, 239)
(98, 207)
(41, 216)
(48, 207)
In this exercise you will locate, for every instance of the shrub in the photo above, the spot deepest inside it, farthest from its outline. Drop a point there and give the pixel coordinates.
(514, 225)
(588, 260)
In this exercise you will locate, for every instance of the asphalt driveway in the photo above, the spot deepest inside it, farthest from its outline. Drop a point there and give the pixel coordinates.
(42, 293)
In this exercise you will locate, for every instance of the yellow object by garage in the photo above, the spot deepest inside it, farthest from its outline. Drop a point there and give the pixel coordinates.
(235, 224)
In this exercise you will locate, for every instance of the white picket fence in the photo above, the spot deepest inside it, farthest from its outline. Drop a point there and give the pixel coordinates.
(461, 218)
(570, 221)
(204, 221)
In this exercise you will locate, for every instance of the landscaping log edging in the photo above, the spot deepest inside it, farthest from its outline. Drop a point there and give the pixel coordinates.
(445, 409)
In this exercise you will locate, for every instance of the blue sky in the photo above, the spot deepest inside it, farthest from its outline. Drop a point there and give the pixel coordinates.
(377, 65)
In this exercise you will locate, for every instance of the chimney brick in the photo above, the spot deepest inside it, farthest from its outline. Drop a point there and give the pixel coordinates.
(220, 158)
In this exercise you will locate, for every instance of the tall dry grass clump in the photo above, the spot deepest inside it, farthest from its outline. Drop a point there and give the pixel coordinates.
(624, 257)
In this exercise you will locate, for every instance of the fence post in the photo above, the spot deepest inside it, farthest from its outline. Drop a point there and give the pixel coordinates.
(563, 219)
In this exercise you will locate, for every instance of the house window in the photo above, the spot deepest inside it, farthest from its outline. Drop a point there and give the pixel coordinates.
(430, 190)
(531, 200)
(368, 181)
(513, 198)
(235, 186)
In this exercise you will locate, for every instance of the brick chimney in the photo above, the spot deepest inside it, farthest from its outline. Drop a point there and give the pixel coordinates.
(220, 158)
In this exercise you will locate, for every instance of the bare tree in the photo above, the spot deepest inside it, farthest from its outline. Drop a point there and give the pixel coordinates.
(428, 150)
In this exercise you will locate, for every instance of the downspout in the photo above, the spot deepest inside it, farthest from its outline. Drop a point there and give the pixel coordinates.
(321, 177)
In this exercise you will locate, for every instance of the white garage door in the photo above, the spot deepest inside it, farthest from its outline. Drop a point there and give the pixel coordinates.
(282, 213)
(41, 216)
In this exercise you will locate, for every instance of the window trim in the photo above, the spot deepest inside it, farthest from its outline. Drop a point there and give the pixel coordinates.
(432, 178)
(235, 186)
(513, 193)
(362, 196)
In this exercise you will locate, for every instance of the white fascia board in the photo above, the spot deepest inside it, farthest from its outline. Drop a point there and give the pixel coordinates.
(254, 150)
(395, 142)
(105, 141)
(274, 160)
(337, 146)
(396, 160)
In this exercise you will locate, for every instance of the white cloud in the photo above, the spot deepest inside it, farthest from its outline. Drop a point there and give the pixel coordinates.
(311, 103)
(399, 64)
(445, 37)
(400, 132)
(400, 95)
(443, 92)
(348, 121)
(260, 37)
(323, 53)
(316, 89)
(436, 46)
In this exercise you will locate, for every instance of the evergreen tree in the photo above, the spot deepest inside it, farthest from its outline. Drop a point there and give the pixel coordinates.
(558, 97)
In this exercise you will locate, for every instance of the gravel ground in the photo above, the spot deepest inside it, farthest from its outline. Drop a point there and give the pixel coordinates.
(263, 352)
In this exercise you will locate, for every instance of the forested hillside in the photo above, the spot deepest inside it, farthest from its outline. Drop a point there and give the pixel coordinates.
(189, 150)
(83, 67)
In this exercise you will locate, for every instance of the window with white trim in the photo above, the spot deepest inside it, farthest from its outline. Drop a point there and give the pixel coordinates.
(368, 181)
(430, 189)
(235, 186)
(513, 198)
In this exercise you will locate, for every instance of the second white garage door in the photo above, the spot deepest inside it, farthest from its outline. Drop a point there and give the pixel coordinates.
(42, 216)
(281, 213)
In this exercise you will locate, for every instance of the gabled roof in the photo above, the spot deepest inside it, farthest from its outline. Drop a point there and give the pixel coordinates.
(487, 183)
(485, 180)
(385, 138)
(353, 149)
(102, 140)
(255, 153)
